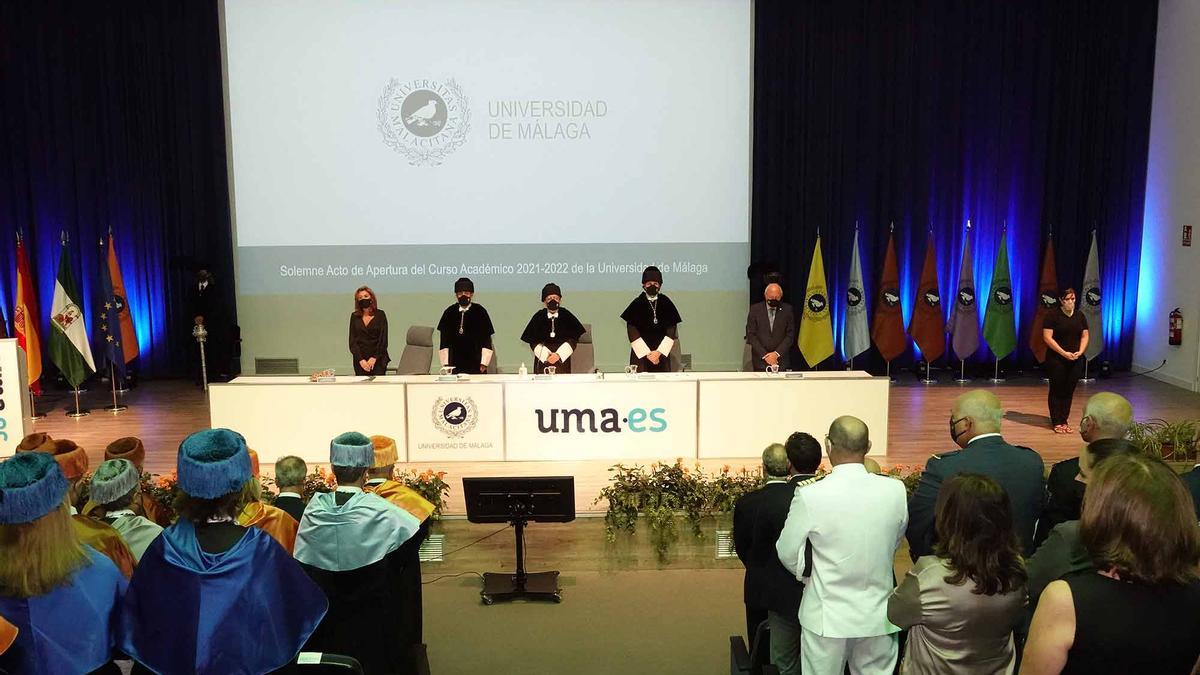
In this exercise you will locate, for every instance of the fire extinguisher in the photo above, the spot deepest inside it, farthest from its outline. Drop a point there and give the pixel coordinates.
(1175, 332)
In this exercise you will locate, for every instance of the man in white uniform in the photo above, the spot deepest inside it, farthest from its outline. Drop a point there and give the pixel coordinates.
(855, 522)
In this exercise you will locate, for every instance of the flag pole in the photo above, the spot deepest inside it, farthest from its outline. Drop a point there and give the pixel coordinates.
(1086, 379)
(962, 372)
(112, 378)
(996, 379)
(891, 380)
(928, 378)
(33, 413)
(77, 412)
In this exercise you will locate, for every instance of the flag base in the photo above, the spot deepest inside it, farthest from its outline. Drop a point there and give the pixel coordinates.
(928, 379)
(962, 373)
(997, 380)
(1045, 380)
(116, 408)
(78, 413)
(1087, 380)
(960, 380)
(122, 391)
(78, 391)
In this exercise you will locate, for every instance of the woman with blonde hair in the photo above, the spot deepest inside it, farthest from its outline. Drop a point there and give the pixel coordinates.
(1139, 609)
(368, 334)
(61, 596)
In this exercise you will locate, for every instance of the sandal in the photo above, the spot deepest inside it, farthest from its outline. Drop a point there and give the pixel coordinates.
(1069, 429)
(1060, 429)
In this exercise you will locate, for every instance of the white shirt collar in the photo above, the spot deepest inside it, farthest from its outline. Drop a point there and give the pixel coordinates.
(348, 488)
(289, 494)
(777, 480)
(994, 433)
(463, 309)
(853, 467)
(203, 285)
(552, 314)
(376, 481)
(73, 511)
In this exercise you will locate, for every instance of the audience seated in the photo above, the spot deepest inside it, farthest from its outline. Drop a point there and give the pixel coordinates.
(380, 481)
(1106, 415)
(270, 519)
(350, 542)
(116, 485)
(975, 427)
(73, 462)
(131, 448)
(1137, 610)
(1063, 552)
(290, 473)
(855, 522)
(770, 591)
(961, 603)
(212, 596)
(60, 595)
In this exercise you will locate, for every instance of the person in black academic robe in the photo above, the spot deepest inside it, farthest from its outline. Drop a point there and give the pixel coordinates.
(652, 325)
(466, 332)
(208, 307)
(552, 333)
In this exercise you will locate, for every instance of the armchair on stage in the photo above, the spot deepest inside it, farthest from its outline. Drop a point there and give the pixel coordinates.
(417, 356)
(583, 359)
(545, 499)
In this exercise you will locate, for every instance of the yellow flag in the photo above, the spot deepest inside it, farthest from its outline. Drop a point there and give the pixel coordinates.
(816, 328)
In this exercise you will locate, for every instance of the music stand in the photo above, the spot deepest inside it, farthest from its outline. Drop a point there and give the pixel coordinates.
(543, 499)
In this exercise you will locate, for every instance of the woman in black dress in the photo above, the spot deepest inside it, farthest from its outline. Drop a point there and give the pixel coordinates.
(368, 334)
(1066, 333)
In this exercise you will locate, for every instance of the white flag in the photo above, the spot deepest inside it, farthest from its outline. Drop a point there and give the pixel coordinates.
(856, 337)
(1088, 302)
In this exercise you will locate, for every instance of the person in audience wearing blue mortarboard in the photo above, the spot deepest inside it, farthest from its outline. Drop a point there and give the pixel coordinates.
(212, 596)
(351, 543)
(116, 485)
(61, 596)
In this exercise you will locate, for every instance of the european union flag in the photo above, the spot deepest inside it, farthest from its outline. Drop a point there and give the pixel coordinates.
(107, 323)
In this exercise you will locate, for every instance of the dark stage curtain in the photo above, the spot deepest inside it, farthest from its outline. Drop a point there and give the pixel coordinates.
(112, 117)
(930, 112)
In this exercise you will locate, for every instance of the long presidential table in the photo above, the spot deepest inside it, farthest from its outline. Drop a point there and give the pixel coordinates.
(513, 418)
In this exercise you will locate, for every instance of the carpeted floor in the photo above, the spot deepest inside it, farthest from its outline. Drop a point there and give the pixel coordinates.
(648, 621)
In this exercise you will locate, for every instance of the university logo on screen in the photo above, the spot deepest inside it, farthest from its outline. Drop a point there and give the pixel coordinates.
(605, 421)
(424, 120)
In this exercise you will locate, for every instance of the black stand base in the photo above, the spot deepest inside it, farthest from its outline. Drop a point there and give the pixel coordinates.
(534, 586)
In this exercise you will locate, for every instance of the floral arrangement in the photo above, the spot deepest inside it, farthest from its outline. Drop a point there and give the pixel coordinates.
(666, 490)
(429, 484)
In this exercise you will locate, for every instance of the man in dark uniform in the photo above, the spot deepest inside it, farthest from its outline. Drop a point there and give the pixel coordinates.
(770, 591)
(1106, 415)
(208, 309)
(651, 322)
(975, 427)
(552, 333)
(466, 332)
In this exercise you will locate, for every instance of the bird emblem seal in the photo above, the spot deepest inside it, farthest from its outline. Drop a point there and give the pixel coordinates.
(455, 416)
(423, 120)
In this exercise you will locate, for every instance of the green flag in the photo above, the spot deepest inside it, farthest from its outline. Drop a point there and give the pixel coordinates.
(999, 327)
(69, 348)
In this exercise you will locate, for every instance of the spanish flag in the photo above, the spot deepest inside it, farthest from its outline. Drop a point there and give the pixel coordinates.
(25, 319)
(816, 328)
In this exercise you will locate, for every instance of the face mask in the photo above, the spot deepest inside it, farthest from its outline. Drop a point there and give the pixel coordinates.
(463, 301)
(552, 305)
(773, 303)
(954, 423)
(364, 303)
(652, 290)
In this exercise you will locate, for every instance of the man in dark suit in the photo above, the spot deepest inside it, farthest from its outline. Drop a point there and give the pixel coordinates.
(1106, 415)
(289, 476)
(975, 427)
(771, 330)
(770, 591)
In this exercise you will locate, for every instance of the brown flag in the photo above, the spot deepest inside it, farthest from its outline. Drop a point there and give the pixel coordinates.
(1047, 300)
(928, 327)
(888, 328)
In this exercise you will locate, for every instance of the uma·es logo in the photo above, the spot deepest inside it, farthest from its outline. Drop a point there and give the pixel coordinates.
(584, 420)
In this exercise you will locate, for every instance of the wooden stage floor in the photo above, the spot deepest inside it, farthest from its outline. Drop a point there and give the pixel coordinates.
(163, 412)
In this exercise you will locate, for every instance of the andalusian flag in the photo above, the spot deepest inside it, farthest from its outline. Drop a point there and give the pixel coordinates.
(999, 324)
(25, 319)
(816, 327)
(69, 348)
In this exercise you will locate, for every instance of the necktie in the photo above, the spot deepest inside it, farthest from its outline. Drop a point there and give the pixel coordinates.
(771, 318)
